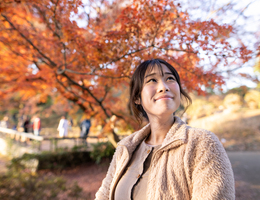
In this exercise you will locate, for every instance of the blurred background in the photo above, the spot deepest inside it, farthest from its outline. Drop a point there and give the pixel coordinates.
(65, 62)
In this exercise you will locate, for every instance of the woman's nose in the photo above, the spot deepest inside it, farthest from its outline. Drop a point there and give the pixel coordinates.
(162, 86)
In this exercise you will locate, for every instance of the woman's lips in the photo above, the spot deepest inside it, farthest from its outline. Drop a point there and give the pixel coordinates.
(163, 97)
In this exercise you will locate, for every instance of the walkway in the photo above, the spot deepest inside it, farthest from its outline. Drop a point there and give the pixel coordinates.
(246, 167)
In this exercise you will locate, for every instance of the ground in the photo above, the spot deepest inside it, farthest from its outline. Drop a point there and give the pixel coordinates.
(245, 166)
(88, 176)
(247, 174)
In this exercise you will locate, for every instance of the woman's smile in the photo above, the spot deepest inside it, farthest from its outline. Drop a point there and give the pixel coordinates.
(164, 97)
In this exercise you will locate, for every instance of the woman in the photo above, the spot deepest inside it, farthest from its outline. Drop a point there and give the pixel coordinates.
(166, 159)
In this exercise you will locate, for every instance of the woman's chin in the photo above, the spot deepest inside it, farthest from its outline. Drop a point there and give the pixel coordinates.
(163, 115)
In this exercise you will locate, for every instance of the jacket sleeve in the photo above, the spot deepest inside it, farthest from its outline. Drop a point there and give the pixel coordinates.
(211, 172)
(104, 190)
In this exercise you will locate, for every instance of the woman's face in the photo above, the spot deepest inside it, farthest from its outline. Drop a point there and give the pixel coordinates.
(160, 95)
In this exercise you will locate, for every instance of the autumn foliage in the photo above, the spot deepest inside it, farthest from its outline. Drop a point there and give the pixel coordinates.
(44, 50)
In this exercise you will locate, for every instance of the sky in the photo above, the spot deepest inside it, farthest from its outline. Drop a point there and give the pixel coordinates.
(251, 24)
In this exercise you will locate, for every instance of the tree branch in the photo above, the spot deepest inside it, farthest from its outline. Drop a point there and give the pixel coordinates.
(30, 42)
(89, 92)
(158, 27)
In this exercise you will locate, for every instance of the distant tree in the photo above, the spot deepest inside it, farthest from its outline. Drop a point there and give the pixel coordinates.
(233, 101)
(252, 99)
(241, 91)
(257, 66)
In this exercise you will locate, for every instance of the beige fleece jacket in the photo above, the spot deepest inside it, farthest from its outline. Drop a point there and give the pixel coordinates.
(190, 164)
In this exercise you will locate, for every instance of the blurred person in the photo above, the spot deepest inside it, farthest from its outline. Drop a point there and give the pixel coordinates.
(14, 118)
(63, 127)
(166, 159)
(36, 125)
(26, 125)
(84, 129)
(5, 122)
(20, 121)
(70, 121)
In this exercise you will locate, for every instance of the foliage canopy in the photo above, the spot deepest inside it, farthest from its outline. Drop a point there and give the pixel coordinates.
(44, 50)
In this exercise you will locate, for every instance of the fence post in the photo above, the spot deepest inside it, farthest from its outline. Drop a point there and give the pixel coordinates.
(51, 144)
(55, 144)
(39, 147)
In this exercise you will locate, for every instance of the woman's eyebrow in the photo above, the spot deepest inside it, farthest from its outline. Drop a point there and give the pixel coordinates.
(153, 74)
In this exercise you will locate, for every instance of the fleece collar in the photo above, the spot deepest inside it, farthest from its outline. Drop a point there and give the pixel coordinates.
(176, 136)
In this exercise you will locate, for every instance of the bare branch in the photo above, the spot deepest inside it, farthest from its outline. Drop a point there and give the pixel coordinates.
(243, 10)
(106, 92)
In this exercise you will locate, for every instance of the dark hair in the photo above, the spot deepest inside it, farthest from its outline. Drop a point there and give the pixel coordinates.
(136, 86)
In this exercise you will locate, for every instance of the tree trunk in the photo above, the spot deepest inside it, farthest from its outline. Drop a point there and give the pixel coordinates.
(113, 138)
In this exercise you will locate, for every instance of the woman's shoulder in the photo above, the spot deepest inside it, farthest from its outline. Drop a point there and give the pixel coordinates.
(204, 143)
(201, 135)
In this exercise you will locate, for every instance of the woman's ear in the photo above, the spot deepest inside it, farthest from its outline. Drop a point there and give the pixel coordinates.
(137, 101)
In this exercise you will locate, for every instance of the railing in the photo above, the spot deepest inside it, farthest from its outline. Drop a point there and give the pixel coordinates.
(18, 136)
(21, 134)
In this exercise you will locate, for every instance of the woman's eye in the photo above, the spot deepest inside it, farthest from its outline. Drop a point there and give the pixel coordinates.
(171, 78)
(151, 80)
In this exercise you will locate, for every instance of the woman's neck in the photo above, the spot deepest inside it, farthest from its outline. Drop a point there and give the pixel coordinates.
(159, 129)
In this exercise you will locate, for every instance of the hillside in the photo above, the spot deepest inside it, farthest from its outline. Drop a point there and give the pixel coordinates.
(238, 131)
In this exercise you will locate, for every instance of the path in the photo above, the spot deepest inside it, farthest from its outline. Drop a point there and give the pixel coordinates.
(246, 167)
